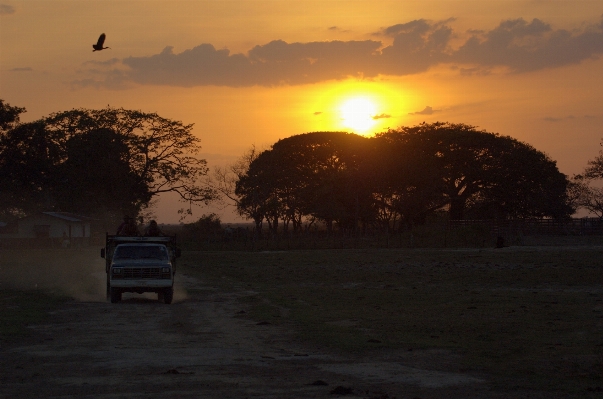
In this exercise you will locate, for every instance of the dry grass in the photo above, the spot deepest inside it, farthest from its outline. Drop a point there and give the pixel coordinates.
(527, 317)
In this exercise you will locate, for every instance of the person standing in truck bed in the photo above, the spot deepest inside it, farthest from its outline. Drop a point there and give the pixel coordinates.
(153, 230)
(128, 227)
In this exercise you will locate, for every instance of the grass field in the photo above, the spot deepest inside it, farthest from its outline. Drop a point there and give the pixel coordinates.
(527, 317)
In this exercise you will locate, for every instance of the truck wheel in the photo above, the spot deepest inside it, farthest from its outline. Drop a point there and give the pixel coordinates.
(160, 296)
(115, 295)
(168, 295)
(108, 289)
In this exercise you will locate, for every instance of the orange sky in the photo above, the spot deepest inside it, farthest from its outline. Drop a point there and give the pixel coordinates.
(251, 72)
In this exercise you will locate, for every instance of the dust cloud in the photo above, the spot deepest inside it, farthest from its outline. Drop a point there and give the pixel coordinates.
(77, 273)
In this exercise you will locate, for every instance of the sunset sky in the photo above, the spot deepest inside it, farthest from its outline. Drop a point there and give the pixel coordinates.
(252, 72)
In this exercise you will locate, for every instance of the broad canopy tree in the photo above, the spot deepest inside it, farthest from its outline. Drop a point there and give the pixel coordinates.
(313, 174)
(102, 163)
(402, 175)
(491, 176)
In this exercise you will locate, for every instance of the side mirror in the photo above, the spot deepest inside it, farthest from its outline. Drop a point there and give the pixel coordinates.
(102, 252)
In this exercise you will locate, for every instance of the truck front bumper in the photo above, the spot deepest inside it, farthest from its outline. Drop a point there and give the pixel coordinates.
(141, 284)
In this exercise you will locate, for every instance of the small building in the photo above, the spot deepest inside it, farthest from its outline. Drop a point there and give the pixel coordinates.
(53, 229)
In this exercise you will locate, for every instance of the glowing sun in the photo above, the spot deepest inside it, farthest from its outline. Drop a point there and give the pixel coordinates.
(357, 114)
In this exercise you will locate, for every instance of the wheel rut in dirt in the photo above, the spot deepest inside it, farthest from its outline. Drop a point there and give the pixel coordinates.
(200, 346)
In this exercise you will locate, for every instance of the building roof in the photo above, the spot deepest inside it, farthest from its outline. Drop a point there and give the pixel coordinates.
(71, 217)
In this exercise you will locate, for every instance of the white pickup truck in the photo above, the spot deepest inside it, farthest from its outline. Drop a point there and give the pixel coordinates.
(140, 264)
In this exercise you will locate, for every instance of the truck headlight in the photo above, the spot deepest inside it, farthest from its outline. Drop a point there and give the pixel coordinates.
(165, 270)
(117, 270)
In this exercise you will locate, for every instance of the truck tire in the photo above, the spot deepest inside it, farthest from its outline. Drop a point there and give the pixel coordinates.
(168, 295)
(108, 289)
(115, 295)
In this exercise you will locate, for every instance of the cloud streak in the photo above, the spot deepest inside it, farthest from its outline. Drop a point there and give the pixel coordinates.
(515, 45)
(425, 111)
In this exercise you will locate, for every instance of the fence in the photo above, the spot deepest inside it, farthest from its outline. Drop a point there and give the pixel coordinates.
(453, 234)
(570, 227)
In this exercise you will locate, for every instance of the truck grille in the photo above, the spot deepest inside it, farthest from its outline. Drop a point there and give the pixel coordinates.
(142, 272)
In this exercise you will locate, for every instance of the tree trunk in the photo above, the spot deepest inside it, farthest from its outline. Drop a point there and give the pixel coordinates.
(457, 208)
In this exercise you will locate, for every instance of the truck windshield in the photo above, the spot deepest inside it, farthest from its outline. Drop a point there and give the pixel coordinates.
(141, 252)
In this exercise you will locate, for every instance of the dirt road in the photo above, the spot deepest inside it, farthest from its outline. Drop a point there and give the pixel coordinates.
(204, 346)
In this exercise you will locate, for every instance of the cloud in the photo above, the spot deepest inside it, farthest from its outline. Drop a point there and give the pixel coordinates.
(426, 111)
(23, 69)
(381, 116)
(554, 119)
(6, 9)
(524, 46)
(514, 45)
(318, 113)
(110, 62)
(476, 71)
(337, 29)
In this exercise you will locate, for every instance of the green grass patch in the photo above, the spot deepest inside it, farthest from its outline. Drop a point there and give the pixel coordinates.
(529, 317)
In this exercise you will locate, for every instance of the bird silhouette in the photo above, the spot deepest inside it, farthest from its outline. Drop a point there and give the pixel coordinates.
(99, 45)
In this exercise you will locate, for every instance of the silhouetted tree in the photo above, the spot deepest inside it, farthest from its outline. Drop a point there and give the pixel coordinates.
(29, 158)
(588, 194)
(323, 173)
(206, 227)
(258, 192)
(594, 168)
(162, 151)
(484, 170)
(406, 182)
(9, 118)
(311, 174)
(9, 115)
(96, 177)
(112, 160)
(224, 180)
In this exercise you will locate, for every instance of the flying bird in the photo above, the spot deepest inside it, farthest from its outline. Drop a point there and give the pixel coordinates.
(99, 45)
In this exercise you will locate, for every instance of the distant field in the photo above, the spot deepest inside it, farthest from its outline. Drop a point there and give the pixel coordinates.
(528, 316)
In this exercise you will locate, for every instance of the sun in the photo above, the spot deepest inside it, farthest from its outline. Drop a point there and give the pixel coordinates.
(358, 114)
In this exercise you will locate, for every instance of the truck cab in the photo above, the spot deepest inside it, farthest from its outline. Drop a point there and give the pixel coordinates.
(140, 264)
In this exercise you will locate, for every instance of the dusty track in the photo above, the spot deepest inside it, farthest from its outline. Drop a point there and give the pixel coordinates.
(203, 346)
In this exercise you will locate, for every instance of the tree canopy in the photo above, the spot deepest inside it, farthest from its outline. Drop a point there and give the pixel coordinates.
(111, 162)
(401, 176)
(310, 174)
(489, 175)
(586, 187)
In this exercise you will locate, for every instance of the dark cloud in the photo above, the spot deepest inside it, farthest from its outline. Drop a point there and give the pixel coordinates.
(24, 69)
(381, 116)
(5, 9)
(425, 111)
(515, 45)
(525, 46)
(318, 113)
